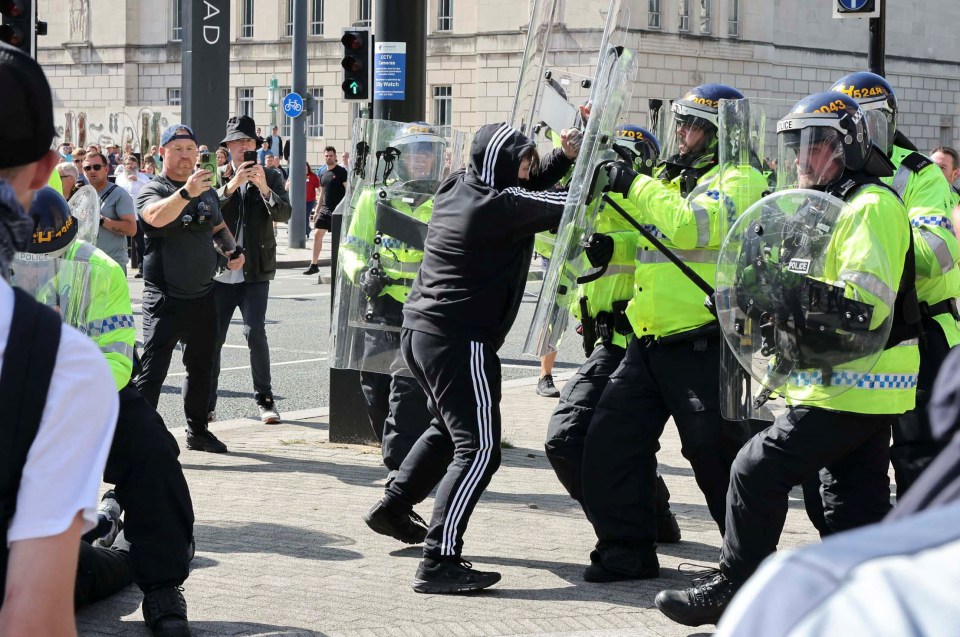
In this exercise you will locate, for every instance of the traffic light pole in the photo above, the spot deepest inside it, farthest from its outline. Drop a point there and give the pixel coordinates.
(878, 41)
(401, 24)
(296, 237)
(206, 68)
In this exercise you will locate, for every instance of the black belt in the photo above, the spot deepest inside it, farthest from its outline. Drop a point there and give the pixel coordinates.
(702, 332)
(948, 306)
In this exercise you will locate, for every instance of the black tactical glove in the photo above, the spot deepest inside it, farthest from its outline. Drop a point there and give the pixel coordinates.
(620, 176)
(372, 282)
(599, 249)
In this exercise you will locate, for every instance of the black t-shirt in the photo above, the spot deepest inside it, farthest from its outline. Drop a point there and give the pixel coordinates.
(182, 262)
(334, 184)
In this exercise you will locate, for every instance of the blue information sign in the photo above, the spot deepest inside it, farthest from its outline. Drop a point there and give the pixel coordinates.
(390, 70)
(852, 5)
(292, 105)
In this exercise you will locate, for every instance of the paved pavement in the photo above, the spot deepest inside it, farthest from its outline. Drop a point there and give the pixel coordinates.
(282, 550)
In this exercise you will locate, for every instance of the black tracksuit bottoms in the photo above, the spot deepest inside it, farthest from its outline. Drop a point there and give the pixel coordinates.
(654, 382)
(461, 449)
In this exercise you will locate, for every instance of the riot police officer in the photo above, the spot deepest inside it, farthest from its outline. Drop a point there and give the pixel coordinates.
(928, 198)
(672, 366)
(601, 309)
(841, 407)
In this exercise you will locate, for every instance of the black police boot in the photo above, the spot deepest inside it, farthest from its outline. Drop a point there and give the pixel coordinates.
(165, 612)
(702, 603)
(204, 440)
(618, 563)
(409, 528)
(451, 576)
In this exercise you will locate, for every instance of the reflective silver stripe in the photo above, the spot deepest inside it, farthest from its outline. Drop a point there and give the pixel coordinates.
(688, 256)
(118, 348)
(871, 284)
(855, 379)
(703, 223)
(940, 249)
(908, 343)
(83, 252)
(399, 266)
(614, 270)
(901, 179)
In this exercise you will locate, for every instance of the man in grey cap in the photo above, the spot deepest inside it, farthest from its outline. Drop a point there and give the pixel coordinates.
(184, 233)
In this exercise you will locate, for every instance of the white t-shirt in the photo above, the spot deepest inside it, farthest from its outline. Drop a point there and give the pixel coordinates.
(66, 461)
(133, 184)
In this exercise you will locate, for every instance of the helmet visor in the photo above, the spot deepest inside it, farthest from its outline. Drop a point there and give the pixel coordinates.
(692, 131)
(421, 160)
(808, 157)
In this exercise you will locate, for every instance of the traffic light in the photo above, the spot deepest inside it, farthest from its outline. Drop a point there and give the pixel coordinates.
(356, 64)
(15, 26)
(856, 9)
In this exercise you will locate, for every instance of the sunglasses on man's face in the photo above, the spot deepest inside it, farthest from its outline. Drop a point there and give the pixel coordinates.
(92, 167)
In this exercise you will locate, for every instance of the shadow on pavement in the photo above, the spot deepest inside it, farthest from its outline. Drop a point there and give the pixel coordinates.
(353, 474)
(248, 628)
(266, 537)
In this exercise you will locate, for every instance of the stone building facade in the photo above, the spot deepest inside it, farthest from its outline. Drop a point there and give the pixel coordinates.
(115, 66)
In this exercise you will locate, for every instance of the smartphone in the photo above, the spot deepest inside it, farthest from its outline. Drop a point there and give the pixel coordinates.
(208, 163)
(250, 155)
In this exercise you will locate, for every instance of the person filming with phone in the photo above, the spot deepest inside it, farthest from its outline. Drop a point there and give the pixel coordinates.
(251, 202)
(185, 235)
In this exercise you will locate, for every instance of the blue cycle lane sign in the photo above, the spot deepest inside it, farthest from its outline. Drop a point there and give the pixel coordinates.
(292, 105)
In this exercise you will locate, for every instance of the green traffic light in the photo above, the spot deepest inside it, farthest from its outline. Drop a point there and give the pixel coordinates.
(354, 88)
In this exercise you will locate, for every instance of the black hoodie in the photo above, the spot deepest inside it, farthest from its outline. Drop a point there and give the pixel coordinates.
(480, 240)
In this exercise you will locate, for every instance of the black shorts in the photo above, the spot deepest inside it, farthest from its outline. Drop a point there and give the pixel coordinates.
(322, 220)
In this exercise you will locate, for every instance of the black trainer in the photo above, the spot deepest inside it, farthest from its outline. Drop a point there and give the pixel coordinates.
(313, 269)
(617, 565)
(409, 528)
(165, 612)
(204, 440)
(702, 603)
(668, 531)
(546, 388)
(452, 576)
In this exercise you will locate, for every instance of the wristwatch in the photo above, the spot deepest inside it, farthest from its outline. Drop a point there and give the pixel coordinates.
(186, 195)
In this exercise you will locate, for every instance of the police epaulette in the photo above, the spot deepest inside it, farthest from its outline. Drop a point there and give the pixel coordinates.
(916, 162)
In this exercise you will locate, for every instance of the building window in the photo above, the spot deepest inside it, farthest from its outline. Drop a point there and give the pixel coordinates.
(653, 14)
(176, 20)
(705, 16)
(364, 12)
(733, 22)
(245, 101)
(284, 120)
(173, 97)
(288, 25)
(315, 123)
(316, 17)
(684, 13)
(443, 105)
(444, 15)
(246, 18)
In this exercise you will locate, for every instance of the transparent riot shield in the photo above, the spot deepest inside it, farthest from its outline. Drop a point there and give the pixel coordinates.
(801, 297)
(384, 230)
(85, 208)
(613, 90)
(560, 67)
(61, 284)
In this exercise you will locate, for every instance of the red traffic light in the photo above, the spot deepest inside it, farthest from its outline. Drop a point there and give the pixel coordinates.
(351, 40)
(12, 8)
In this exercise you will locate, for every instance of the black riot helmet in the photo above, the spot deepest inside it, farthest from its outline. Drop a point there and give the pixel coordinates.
(874, 94)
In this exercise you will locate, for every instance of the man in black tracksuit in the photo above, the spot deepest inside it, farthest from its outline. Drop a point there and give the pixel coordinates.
(462, 305)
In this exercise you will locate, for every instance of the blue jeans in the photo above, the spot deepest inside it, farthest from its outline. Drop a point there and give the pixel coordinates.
(251, 298)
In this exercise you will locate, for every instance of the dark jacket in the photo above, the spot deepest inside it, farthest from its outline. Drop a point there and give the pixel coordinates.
(480, 239)
(259, 243)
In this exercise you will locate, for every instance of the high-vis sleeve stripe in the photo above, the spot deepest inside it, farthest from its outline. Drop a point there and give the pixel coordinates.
(123, 349)
(703, 223)
(687, 256)
(940, 249)
(932, 220)
(109, 324)
(614, 270)
(901, 179)
(871, 284)
(855, 379)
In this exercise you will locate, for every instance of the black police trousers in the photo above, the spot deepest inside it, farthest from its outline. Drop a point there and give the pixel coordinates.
(167, 321)
(853, 448)
(654, 382)
(461, 449)
(158, 511)
(914, 446)
(396, 404)
(570, 422)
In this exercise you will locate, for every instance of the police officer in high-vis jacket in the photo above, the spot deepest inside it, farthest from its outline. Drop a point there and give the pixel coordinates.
(672, 365)
(928, 198)
(825, 143)
(600, 307)
(396, 404)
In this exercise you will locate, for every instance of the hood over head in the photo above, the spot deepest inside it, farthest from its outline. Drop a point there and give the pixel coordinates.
(496, 154)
